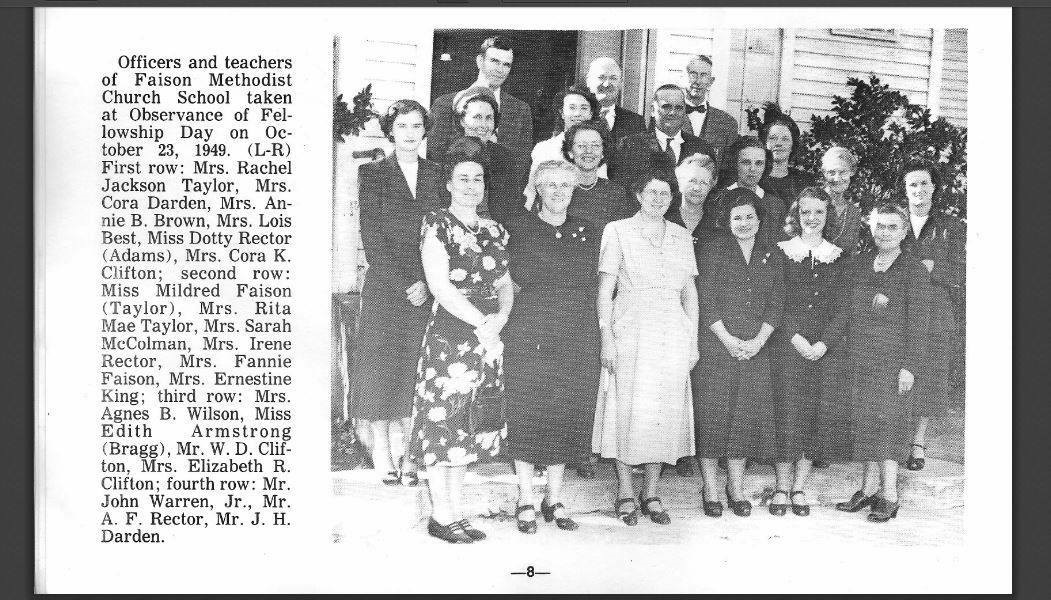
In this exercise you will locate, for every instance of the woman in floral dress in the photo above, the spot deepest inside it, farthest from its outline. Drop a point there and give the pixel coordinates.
(465, 263)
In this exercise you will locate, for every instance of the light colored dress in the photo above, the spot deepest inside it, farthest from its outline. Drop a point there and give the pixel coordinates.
(646, 414)
(549, 149)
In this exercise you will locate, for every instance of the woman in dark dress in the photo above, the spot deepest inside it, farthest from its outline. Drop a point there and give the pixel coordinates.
(781, 136)
(742, 290)
(393, 194)
(812, 267)
(478, 116)
(552, 353)
(595, 199)
(939, 242)
(883, 321)
(844, 228)
(749, 162)
(465, 262)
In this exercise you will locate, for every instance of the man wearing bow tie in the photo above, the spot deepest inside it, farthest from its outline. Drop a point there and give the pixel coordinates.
(704, 120)
(664, 146)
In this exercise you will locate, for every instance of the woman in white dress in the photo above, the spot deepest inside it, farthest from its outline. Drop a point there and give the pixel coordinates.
(649, 345)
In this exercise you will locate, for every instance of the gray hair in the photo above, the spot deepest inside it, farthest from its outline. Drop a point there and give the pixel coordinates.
(844, 154)
(540, 177)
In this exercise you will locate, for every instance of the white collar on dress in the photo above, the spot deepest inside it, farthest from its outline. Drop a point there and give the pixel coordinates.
(825, 252)
(758, 190)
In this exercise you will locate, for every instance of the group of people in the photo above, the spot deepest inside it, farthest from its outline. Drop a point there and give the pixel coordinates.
(646, 295)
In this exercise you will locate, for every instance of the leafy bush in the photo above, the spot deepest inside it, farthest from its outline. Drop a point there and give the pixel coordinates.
(884, 130)
(347, 121)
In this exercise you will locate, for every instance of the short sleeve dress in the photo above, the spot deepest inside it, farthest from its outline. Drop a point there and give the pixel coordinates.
(646, 412)
(453, 363)
(551, 359)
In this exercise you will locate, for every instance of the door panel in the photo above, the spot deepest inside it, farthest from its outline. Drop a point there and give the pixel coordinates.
(755, 71)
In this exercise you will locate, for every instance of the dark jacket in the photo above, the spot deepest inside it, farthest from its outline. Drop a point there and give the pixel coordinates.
(641, 151)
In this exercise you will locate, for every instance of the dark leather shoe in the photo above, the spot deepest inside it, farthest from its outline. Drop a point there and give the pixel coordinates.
(799, 510)
(916, 464)
(523, 525)
(741, 508)
(657, 516)
(561, 522)
(821, 464)
(857, 502)
(465, 526)
(630, 517)
(448, 532)
(778, 510)
(883, 511)
(711, 508)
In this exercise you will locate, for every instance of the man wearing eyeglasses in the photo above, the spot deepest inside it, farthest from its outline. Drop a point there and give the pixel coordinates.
(604, 80)
(712, 125)
(663, 147)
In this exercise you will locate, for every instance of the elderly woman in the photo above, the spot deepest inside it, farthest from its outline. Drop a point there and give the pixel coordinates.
(466, 266)
(394, 194)
(595, 199)
(478, 116)
(883, 321)
(845, 225)
(812, 269)
(781, 135)
(939, 242)
(844, 228)
(743, 296)
(574, 104)
(649, 345)
(552, 338)
(749, 161)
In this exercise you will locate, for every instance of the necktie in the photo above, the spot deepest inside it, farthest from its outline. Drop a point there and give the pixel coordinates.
(700, 108)
(670, 152)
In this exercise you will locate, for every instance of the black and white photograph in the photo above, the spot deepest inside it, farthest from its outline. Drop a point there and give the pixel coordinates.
(652, 286)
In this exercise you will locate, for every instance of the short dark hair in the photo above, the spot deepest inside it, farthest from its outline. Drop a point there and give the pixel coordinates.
(596, 125)
(731, 199)
(921, 164)
(774, 116)
(488, 99)
(496, 41)
(402, 107)
(892, 208)
(792, 219)
(643, 179)
(467, 149)
(572, 90)
(733, 154)
(666, 87)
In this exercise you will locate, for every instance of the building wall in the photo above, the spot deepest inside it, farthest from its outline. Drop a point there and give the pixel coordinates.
(954, 77)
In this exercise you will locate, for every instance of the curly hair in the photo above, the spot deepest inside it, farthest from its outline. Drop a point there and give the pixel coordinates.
(402, 107)
(793, 226)
(572, 90)
(921, 164)
(733, 153)
(739, 196)
(596, 125)
(772, 115)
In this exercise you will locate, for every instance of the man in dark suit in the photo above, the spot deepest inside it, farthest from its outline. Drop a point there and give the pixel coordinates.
(664, 146)
(605, 80)
(516, 120)
(704, 120)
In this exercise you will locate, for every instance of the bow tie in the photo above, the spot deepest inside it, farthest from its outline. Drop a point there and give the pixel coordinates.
(701, 108)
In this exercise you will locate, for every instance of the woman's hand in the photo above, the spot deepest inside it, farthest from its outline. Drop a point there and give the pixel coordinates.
(880, 301)
(929, 264)
(749, 348)
(491, 325)
(905, 381)
(819, 349)
(417, 293)
(695, 355)
(803, 347)
(733, 345)
(609, 352)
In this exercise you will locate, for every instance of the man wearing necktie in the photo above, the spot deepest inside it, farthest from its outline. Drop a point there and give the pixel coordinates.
(604, 80)
(704, 120)
(664, 146)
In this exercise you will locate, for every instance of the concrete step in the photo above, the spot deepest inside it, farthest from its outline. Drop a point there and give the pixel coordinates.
(492, 489)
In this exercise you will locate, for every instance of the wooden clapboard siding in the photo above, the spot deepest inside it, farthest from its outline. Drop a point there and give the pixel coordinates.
(674, 49)
(954, 77)
(822, 62)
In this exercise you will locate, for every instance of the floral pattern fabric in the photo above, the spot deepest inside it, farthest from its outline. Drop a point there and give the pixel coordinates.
(454, 364)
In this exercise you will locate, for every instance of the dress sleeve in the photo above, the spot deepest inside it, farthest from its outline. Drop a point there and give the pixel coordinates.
(708, 282)
(775, 306)
(842, 290)
(611, 255)
(951, 273)
(378, 253)
(918, 318)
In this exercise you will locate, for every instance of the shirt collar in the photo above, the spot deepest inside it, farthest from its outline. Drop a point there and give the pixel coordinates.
(663, 138)
(758, 190)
